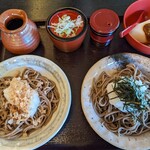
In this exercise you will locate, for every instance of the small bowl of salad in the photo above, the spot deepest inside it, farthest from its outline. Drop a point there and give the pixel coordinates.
(67, 28)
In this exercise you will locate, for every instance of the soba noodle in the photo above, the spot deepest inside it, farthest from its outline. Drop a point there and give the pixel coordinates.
(49, 99)
(116, 121)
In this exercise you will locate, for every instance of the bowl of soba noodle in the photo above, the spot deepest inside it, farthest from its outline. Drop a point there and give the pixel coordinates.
(115, 99)
(34, 101)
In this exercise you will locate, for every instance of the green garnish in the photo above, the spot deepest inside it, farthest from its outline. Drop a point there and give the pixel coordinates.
(133, 93)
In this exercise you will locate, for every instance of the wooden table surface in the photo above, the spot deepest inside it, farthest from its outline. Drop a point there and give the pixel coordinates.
(76, 132)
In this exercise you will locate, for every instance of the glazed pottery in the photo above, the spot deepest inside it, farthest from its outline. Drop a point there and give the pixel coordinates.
(18, 33)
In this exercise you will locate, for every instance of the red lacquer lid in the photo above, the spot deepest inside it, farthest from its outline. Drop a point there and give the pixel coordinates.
(104, 21)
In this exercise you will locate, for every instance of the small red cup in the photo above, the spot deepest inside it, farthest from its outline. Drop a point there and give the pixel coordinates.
(67, 44)
(103, 23)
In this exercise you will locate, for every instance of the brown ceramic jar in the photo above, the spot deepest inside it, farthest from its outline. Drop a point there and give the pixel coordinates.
(18, 33)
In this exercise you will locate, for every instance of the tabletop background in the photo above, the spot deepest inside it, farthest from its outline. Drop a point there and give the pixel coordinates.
(76, 132)
(38, 10)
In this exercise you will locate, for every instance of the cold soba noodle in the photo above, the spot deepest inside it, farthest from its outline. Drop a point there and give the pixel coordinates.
(23, 117)
(122, 101)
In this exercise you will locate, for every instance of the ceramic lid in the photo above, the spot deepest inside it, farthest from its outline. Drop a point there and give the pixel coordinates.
(104, 21)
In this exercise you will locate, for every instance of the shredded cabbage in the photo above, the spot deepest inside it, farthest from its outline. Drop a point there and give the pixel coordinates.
(66, 26)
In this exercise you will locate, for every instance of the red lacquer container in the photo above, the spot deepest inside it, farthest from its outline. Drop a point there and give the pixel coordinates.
(67, 44)
(103, 23)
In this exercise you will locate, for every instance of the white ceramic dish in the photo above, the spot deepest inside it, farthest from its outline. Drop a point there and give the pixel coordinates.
(110, 64)
(53, 72)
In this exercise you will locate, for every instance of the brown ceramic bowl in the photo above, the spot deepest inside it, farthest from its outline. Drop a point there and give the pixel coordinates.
(130, 16)
(65, 43)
